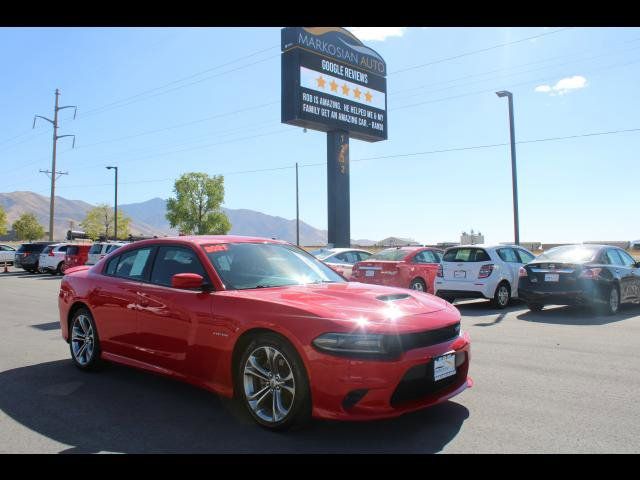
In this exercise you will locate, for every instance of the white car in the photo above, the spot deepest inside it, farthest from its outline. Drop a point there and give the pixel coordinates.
(52, 258)
(7, 254)
(341, 260)
(481, 271)
(100, 249)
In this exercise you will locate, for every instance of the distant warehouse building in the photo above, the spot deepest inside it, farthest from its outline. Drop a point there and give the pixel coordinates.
(471, 238)
(397, 242)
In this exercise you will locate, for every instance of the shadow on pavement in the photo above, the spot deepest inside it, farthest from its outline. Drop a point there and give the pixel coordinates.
(566, 315)
(47, 326)
(480, 308)
(124, 410)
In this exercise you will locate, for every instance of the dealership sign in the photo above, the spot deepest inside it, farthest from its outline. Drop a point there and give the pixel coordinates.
(332, 82)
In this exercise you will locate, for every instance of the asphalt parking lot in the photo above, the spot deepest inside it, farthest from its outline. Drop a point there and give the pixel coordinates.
(558, 381)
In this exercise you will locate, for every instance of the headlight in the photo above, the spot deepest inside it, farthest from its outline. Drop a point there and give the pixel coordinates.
(358, 344)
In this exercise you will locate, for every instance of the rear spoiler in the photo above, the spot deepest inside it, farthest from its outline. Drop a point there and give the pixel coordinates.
(79, 268)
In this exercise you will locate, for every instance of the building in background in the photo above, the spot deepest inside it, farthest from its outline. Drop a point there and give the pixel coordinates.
(398, 242)
(471, 238)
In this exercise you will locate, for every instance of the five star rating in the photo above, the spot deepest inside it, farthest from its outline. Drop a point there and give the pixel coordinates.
(342, 88)
(345, 89)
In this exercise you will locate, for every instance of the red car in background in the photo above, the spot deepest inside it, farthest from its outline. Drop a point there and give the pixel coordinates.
(76, 255)
(268, 323)
(405, 267)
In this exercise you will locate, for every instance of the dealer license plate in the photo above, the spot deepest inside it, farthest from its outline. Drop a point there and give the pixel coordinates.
(551, 277)
(460, 274)
(444, 366)
(369, 273)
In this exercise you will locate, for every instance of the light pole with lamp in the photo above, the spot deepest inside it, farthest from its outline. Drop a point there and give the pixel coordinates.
(514, 175)
(115, 228)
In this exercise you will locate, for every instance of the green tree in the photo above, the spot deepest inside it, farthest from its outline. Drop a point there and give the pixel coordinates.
(3, 221)
(100, 221)
(28, 228)
(196, 208)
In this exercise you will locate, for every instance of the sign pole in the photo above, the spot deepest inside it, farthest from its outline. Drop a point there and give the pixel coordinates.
(338, 205)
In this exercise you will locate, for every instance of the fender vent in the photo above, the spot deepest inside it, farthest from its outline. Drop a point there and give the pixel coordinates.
(393, 297)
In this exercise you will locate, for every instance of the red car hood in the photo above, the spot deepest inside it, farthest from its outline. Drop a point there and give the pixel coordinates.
(378, 307)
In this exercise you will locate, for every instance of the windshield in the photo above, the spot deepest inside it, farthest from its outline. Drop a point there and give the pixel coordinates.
(570, 254)
(390, 254)
(243, 266)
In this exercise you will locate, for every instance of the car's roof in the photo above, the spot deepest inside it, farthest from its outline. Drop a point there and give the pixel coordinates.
(206, 239)
(342, 249)
(487, 246)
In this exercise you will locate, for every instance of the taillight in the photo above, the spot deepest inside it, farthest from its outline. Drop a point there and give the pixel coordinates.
(485, 270)
(591, 273)
(522, 272)
(440, 271)
(51, 253)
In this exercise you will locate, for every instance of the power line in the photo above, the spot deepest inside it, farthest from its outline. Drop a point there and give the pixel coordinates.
(474, 52)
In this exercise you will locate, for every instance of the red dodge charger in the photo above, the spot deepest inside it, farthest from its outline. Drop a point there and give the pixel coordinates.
(266, 322)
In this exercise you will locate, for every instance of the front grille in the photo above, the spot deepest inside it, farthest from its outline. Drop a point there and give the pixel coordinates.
(418, 383)
(409, 341)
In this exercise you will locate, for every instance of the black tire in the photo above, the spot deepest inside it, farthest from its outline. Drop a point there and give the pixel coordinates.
(299, 412)
(92, 361)
(498, 300)
(449, 299)
(535, 307)
(612, 304)
(418, 284)
(58, 269)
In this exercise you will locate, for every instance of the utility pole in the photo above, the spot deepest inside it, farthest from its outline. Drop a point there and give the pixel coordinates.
(115, 205)
(514, 174)
(297, 210)
(54, 173)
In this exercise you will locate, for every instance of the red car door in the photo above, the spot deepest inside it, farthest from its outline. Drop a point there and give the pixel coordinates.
(423, 265)
(114, 301)
(169, 318)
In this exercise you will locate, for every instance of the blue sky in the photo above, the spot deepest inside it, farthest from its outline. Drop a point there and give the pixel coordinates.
(566, 82)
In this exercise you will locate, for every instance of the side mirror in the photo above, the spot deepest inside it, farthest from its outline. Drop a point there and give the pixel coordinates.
(187, 280)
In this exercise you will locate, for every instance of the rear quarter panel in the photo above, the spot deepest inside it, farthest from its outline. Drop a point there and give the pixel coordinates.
(74, 288)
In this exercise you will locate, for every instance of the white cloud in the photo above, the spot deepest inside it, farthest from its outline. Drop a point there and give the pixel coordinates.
(563, 86)
(379, 34)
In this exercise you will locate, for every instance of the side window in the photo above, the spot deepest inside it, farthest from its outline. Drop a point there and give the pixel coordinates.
(525, 257)
(111, 266)
(132, 264)
(63, 248)
(613, 257)
(425, 256)
(172, 260)
(508, 255)
(362, 256)
(627, 260)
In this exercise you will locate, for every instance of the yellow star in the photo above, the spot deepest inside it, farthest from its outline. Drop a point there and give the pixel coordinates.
(334, 86)
(356, 93)
(368, 96)
(345, 89)
(321, 81)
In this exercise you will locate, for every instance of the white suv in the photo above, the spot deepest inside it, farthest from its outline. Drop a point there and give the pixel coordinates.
(481, 271)
(52, 258)
(100, 249)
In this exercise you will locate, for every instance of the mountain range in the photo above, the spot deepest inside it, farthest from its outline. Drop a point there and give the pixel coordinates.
(148, 218)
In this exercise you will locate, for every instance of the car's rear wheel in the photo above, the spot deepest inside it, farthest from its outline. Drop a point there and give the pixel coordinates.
(84, 343)
(502, 296)
(272, 383)
(535, 307)
(59, 269)
(613, 301)
(418, 284)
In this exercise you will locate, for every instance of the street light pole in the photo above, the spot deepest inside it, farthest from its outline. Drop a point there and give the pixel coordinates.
(297, 210)
(115, 209)
(514, 175)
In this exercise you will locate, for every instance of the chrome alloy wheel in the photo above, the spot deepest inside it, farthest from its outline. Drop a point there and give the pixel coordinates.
(82, 340)
(269, 385)
(503, 295)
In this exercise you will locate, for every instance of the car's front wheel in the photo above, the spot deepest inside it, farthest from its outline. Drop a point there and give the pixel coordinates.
(272, 383)
(418, 284)
(84, 343)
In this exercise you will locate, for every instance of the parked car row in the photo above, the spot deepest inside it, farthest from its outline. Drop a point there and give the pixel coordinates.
(55, 258)
(598, 276)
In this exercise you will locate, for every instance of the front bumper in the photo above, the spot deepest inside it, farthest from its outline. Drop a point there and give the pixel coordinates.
(334, 380)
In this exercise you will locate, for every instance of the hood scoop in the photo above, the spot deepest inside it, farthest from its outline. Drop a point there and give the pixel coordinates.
(393, 297)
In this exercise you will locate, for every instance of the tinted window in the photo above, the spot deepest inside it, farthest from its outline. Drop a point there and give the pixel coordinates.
(613, 257)
(173, 260)
(95, 248)
(132, 264)
(363, 255)
(425, 256)
(72, 250)
(525, 257)
(47, 249)
(263, 265)
(626, 259)
(508, 255)
(31, 247)
(345, 257)
(390, 254)
(466, 255)
(62, 248)
(570, 253)
(111, 248)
